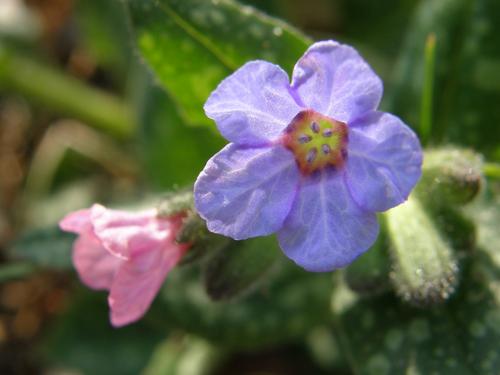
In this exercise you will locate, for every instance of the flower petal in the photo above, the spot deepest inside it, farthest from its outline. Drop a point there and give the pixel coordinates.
(326, 229)
(123, 233)
(246, 192)
(76, 222)
(333, 79)
(139, 280)
(384, 161)
(253, 105)
(96, 267)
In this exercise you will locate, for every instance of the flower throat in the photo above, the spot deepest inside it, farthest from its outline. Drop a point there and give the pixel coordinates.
(316, 141)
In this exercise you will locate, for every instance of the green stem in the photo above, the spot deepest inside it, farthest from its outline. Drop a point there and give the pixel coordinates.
(427, 91)
(63, 93)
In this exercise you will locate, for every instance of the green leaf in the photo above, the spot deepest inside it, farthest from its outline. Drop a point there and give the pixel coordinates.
(384, 336)
(173, 154)
(104, 27)
(191, 45)
(286, 307)
(46, 247)
(369, 274)
(486, 212)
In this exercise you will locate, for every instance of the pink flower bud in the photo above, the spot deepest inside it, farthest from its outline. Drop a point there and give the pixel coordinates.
(129, 254)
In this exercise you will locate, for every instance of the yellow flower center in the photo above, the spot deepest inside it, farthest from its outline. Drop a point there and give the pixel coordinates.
(317, 141)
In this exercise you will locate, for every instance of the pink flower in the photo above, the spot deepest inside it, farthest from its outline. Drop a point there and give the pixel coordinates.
(129, 254)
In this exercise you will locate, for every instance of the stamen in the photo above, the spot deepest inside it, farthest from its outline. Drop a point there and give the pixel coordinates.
(315, 127)
(311, 155)
(326, 149)
(327, 133)
(304, 138)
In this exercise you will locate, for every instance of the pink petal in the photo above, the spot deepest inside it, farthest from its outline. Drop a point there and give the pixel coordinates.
(96, 267)
(123, 233)
(76, 222)
(140, 278)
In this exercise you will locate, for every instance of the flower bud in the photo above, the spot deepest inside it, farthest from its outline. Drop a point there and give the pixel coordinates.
(450, 176)
(424, 265)
(235, 269)
(194, 231)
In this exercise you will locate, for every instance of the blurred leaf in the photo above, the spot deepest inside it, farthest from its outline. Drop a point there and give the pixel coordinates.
(239, 267)
(46, 247)
(369, 274)
(445, 20)
(286, 307)
(104, 26)
(84, 340)
(191, 45)
(373, 23)
(173, 154)
(486, 212)
(467, 69)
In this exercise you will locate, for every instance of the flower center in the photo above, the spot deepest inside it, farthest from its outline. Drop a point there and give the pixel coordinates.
(316, 141)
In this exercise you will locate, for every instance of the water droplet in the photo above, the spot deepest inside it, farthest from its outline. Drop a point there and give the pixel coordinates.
(278, 31)
(247, 10)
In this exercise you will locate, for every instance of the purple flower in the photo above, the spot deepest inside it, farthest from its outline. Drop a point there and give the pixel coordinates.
(312, 160)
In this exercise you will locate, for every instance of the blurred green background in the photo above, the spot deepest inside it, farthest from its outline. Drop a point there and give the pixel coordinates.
(101, 101)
